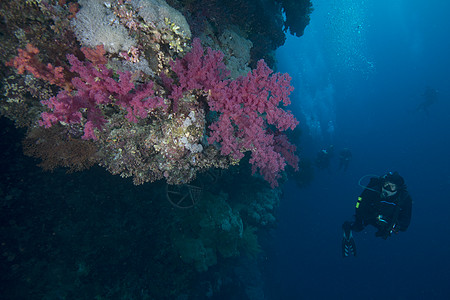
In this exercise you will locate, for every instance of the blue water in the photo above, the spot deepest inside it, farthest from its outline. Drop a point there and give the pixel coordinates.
(362, 67)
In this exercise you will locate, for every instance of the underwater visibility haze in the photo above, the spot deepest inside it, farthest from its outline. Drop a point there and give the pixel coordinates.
(379, 73)
(174, 149)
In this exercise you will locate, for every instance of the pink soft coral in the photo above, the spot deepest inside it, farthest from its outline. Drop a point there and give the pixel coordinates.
(27, 60)
(94, 87)
(248, 107)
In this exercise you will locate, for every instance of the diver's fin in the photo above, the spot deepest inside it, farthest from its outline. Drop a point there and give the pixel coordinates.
(348, 243)
(348, 247)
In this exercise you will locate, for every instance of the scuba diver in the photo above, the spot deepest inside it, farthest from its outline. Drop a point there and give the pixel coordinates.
(385, 204)
(344, 158)
(430, 97)
(323, 158)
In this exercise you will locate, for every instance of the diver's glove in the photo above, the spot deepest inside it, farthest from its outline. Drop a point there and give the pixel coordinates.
(386, 232)
(394, 229)
(348, 243)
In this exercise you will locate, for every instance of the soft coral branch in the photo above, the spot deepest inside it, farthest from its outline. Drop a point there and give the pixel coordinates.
(27, 60)
(196, 71)
(250, 105)
(247, 107)
(95, 87)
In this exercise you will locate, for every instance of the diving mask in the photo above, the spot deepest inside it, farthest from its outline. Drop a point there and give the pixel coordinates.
(389, 186)
(389, 189)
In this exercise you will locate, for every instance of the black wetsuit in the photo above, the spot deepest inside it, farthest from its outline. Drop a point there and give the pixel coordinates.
(386, 214)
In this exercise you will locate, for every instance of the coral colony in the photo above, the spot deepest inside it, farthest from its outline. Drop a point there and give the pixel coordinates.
(159, 106)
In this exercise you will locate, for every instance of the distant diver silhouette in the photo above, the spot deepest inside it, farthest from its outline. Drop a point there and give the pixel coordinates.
(430, 97)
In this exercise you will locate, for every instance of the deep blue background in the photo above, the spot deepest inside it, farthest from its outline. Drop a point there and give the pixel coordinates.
(364, 67)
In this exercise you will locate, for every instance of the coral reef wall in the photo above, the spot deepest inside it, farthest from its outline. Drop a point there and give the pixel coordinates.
(179, 100)
(261, 22)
